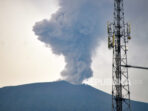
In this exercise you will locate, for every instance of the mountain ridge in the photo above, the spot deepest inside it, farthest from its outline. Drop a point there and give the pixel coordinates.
(57, 96)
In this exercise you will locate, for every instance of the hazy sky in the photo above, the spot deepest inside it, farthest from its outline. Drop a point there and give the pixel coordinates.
(24, 59)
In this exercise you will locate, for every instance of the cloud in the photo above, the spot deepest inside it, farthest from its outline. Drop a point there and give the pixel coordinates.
(74, 31)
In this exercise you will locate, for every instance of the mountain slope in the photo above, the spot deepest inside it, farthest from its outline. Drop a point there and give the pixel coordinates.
(57, 96)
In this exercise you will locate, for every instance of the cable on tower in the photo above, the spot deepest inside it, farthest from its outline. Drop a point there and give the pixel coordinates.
(137, 67)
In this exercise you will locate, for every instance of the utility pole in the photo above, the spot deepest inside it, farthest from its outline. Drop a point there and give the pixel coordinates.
(118, 37)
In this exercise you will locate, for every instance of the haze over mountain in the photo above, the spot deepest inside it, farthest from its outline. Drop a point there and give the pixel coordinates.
(58, 96)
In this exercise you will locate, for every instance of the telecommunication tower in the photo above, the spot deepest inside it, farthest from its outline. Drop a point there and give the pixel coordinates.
(118, 37)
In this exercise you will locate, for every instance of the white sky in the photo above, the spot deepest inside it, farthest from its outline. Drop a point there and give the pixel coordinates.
(24, 59)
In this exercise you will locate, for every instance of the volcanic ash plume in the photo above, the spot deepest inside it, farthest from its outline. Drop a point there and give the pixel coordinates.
(73, 32)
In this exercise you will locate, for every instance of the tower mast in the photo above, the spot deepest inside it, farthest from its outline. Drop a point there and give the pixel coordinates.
(118, 37)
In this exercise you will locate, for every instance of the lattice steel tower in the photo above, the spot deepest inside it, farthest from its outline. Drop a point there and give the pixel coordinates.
(118, 37)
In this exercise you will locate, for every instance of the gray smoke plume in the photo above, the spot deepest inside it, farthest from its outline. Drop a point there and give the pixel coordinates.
(73, 31)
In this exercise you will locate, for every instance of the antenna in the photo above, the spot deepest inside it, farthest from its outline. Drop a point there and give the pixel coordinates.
(118, 37)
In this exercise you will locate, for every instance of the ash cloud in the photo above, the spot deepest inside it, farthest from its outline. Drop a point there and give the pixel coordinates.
(73, 31)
